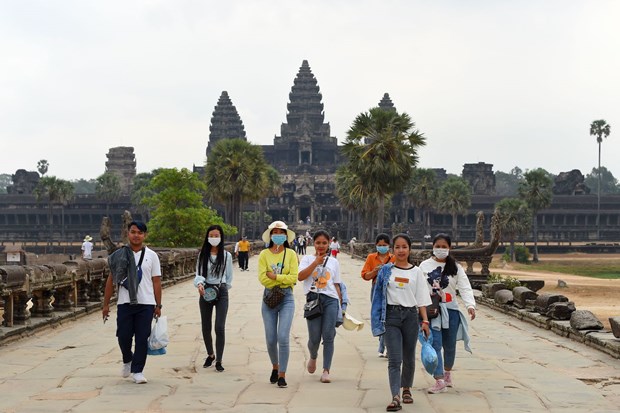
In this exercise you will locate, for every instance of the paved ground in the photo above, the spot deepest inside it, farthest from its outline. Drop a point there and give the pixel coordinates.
(515, 367)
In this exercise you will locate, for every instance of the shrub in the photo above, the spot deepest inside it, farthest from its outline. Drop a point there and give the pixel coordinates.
(508, 281)
(522, 254)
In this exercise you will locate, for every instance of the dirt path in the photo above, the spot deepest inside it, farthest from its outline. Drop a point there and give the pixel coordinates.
(600, 296)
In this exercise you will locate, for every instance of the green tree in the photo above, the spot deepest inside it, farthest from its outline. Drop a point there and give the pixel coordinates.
(455, 198)
(179, 217)
(600, 129)
(515, 219)
(271, 186)
(141, 190)
(609, 183)
(43, 166)
(507, 184)
(108, 189)
(5, 181)
(84, 186)
(382, 150)
(54, 191)
(422, 191)
(537, 191)
(234, 173)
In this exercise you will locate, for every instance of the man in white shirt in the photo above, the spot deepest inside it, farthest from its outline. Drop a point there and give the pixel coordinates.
(87, 248)
(139, 298)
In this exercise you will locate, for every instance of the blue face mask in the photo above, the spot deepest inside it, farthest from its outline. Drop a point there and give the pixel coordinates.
(278, 239)
(382, 249)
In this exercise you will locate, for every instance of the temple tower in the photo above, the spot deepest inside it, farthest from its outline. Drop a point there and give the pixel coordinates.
(480, 177)
(386, 103)
(225, 123)
(122, 162)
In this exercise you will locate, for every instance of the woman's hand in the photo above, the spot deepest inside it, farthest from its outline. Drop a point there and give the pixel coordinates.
(271, 275)
(472, 312)
(201, 289)
(426, 329)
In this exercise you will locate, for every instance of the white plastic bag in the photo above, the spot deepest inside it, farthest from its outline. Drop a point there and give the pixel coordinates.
(158, 340)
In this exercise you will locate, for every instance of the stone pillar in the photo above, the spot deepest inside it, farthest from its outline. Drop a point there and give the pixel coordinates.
(63, 299)
(8, 311)
(83, 288)
(94, 291)
(41, 303)
(21, 313)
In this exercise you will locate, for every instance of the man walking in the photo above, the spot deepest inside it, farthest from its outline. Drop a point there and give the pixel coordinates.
(136, 273)
(87, 248)
(244, 253)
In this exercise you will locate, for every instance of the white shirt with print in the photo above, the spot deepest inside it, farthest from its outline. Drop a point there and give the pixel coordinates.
(325, 283)
(408, 288)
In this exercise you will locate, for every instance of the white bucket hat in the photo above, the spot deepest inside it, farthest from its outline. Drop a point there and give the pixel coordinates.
(280, 225)
(88, 238)
(350, 323)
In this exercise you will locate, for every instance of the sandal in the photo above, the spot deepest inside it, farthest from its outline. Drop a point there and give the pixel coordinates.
(394, 406)
(407, 399)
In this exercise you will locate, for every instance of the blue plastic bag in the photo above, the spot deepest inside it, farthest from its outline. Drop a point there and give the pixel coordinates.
(428, 354)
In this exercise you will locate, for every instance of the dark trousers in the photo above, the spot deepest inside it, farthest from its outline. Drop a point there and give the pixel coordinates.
(244, 257)
(206, 316)
(134, 320)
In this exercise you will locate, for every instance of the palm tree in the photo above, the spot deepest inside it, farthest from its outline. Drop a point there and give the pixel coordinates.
(536, 191)
(515, 219)
(55, 191)
(382, 149)
(235, 172)
(271, 187)
(422, 191)
(455, 198)
(108, 189)
(65, 194)
(600, 129)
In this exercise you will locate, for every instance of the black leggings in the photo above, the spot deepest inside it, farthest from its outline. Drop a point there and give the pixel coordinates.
(206, 316)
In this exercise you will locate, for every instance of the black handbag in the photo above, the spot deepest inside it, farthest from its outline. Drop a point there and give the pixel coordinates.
(313, 307)
(274, 296)
(432, 311)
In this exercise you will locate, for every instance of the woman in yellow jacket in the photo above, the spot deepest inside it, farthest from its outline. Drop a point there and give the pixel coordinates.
(277, 272)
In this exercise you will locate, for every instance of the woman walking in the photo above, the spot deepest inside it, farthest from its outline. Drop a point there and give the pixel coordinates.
(214, 273)
(399, 305)
(277, 272)
(374, 262)
(321, 276)
(446, 276)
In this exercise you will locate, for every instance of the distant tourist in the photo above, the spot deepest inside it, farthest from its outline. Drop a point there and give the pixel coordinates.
(374, 262)
(87, 248)
(213, 279)
(244, 253)
(445, 276)
(321, 276)
(136, 273)
(398, 308)
(277, 272)
(352, 245)
(334, 247)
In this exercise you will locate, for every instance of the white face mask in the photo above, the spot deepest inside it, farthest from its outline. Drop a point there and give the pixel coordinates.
(214, 241)
(441, 253)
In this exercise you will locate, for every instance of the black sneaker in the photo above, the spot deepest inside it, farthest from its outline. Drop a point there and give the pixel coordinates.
(281, 382)
(218, 367)
(209, 361)
(273, 379)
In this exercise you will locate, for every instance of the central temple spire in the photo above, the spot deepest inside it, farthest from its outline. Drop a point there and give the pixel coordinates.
(305, 99)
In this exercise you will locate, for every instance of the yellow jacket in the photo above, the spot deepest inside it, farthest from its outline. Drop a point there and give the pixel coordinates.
(268, 261)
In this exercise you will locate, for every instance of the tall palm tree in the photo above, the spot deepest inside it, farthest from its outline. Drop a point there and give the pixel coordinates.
(54, 190)
(382, 149)
(234, 173)
(536, 191)
(65, 194)
(599, 128)
(455, 198)
(515, 219)
(422, 191)
(108, 189)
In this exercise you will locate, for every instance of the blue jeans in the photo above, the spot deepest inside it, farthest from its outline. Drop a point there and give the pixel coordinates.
(446, 338)
(324, 327)
(206, 318)
(278, 323)
(381, 348)
(134, 320)
(401, 337)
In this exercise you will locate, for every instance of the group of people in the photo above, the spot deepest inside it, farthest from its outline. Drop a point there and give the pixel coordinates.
(400, 294)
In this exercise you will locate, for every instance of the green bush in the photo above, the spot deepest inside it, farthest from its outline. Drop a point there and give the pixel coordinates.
(508, 281)
(522, 254)
(506, 256)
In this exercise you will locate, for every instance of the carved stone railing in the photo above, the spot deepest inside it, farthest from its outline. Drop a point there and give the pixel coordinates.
(72, 285)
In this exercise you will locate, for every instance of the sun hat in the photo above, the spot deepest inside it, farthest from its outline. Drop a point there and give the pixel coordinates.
(350, 323)
(88, 238)
(280, 225)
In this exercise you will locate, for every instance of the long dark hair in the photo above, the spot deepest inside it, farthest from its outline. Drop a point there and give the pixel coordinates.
(205, 254)
(407, 240)
(450, 268)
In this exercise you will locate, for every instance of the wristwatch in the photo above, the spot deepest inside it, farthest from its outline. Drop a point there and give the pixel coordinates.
(159, 306)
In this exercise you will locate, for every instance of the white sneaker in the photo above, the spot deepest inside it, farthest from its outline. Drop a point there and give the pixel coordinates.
(126, 370)
(139, 378)
(439, 387)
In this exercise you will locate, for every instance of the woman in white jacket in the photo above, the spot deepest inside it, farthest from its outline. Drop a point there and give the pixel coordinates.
(445, 277)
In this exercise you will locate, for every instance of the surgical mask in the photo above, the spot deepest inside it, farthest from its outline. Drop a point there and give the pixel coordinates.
(441, 253)
(382, 249)
(214, 241)
(278, 239)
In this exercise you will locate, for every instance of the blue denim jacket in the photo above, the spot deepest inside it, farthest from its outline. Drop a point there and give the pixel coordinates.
(379, 300)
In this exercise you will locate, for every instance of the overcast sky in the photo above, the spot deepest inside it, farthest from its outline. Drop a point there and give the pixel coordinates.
(512, 83)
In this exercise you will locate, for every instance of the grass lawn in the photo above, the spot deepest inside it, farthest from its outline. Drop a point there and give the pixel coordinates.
(609, 269)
